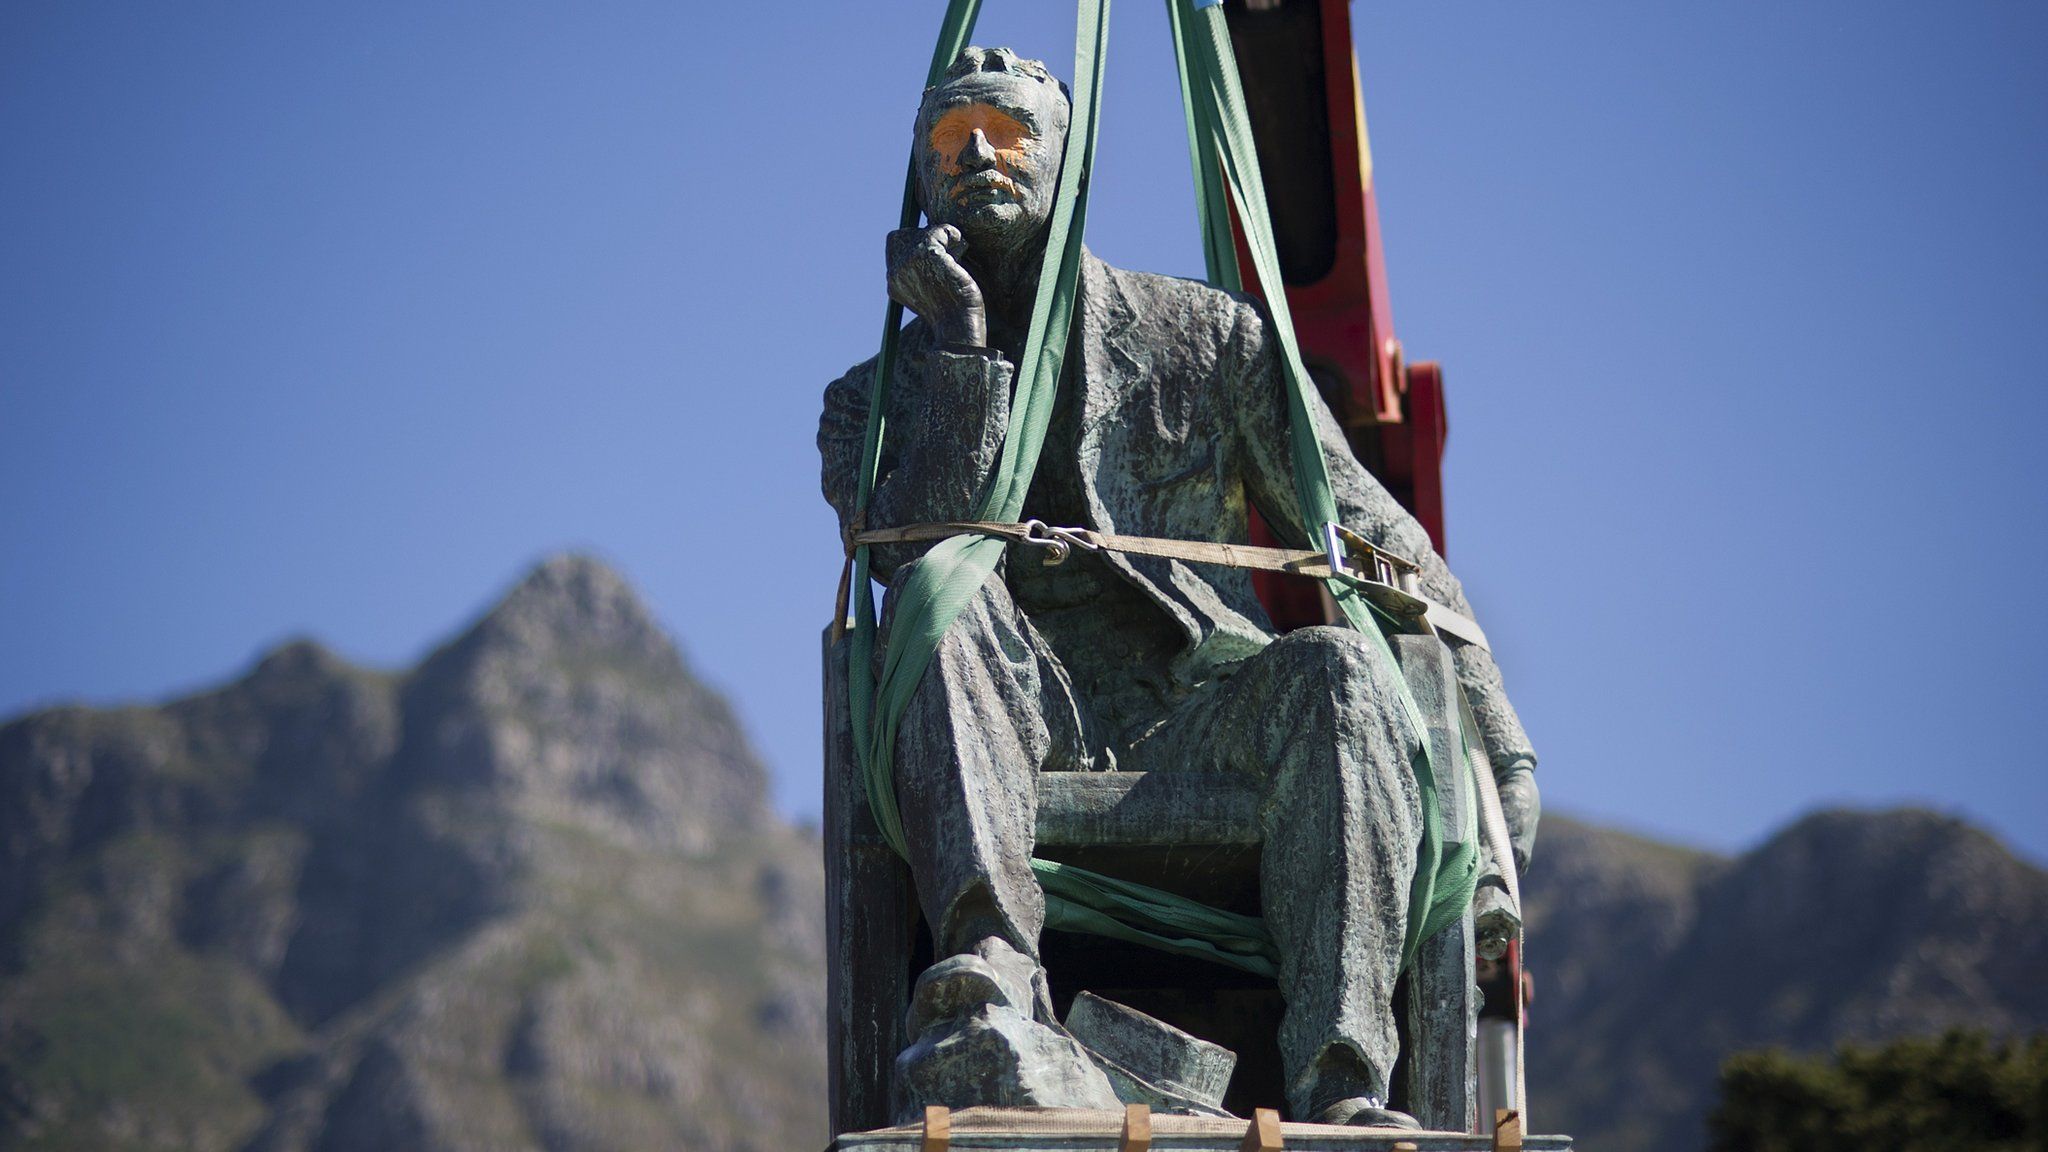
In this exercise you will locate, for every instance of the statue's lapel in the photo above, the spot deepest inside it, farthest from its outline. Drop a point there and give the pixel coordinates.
(1108, 361)
(1103, 371)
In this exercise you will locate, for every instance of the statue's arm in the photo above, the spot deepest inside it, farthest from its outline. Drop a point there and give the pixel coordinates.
(1253, 373)
(945, 430)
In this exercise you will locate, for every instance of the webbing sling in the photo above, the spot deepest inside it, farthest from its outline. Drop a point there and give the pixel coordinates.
(876, 768)
(951, 573)
(1444, 878)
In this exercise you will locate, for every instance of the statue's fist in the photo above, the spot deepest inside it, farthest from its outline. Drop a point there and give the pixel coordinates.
(926, 276)
(1522, 805)
(1494, 922)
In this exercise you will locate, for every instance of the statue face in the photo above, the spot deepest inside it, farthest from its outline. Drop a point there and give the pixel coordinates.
(989, 150)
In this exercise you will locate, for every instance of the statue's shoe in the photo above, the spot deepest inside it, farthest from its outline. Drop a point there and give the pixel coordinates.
(994, 1057)
(1366, 1112)
(994, 973)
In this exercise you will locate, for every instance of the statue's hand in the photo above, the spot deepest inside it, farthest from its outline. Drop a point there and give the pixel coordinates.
(1522, 804)
(926, 276)
(1494, 921)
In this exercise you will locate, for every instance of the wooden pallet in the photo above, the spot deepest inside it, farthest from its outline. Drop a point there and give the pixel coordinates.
(1138, 1129)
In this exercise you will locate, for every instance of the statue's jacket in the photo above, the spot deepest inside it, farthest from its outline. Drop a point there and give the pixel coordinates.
(1183, 419)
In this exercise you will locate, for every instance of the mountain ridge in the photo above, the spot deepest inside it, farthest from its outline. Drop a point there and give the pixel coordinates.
(529, 892)
(493, 900)
(1653, 963)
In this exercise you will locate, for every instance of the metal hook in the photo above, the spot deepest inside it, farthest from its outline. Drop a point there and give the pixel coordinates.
(1038, 534)
(1061, 541)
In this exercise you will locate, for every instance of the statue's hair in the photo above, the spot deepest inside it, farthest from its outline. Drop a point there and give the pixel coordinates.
(976, 61)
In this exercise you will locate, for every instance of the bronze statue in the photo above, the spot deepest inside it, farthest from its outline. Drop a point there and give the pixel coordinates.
(1170, 423)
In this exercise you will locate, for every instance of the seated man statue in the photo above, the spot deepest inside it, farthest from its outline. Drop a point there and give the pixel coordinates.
(1171, 423)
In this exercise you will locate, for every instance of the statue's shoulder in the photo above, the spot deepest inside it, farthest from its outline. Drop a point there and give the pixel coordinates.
(1170, 307)
(1158, 290)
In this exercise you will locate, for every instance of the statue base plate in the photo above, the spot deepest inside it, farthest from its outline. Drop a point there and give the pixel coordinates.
(1081, 1130)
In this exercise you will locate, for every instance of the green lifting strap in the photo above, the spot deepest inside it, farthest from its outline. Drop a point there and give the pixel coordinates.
(951, 573)
(877, 771)
(1445, 876)
(947, 578)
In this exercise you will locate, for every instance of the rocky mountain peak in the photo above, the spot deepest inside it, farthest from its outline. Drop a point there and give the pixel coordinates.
(298, 660)
(567, 700)
(1925, 858)
(571, 602)
(527, 894)
(1653, 963)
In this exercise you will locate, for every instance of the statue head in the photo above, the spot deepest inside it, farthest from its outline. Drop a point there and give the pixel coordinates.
(990, 136)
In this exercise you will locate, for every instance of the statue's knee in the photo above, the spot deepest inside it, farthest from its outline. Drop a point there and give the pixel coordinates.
(1343, 669)
(1328, 656)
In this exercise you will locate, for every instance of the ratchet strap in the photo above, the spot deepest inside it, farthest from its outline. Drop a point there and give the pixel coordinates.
(1390, 589)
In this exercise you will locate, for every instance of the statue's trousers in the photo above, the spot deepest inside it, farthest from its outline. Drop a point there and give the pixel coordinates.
(1313, 715)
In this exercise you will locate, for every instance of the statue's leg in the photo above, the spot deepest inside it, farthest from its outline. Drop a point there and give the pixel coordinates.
(1316, 712)
(992, 709)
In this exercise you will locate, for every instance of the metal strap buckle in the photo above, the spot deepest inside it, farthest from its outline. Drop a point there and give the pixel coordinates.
(1058, 542)
(1341, 546)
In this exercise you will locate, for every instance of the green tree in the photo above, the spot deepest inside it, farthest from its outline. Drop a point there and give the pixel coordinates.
(1960, 1092)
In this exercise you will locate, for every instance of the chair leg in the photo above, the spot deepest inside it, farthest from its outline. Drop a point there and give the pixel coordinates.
(870, 919)
(1443, 1003)
(1443, 1026)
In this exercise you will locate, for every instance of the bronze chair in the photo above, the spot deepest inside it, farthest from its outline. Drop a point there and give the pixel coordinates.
(1112, 822)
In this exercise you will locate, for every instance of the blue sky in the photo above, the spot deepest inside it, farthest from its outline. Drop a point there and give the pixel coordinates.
(329, 319)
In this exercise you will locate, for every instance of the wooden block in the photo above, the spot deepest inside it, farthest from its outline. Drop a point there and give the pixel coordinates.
(1507, 1130)
(938, 1127)
(1263, 1133)
(1137, 1135)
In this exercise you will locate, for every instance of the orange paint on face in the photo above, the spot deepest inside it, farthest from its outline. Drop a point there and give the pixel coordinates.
(954, 131)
